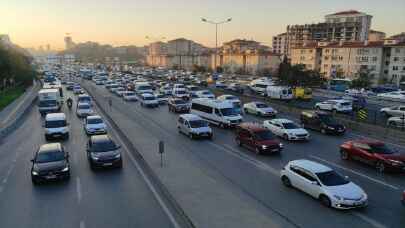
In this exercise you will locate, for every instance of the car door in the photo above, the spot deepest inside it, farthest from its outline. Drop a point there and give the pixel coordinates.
(363, 153)
(304, 181)
(277, 129)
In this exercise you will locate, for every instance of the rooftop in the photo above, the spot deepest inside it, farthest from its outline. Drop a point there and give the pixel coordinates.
(348, 12)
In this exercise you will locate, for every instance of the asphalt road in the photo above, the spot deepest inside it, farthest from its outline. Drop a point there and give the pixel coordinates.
(105, 198)
(258, 176)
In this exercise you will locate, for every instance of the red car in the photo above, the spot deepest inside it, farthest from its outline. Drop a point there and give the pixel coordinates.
(375, 153)
(257, 138)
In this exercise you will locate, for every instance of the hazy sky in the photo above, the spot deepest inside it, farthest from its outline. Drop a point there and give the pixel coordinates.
(31, 23)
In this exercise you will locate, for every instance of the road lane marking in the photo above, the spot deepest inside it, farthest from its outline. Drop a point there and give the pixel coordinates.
(146, 179)
(82, 224)
(78, 190)
(355, 172)
(369, 220)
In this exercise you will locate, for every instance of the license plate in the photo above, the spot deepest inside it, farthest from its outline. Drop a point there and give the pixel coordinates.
(51, 177)
(107, 164)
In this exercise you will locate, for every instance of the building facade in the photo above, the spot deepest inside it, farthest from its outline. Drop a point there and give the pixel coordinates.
(376, 35)
(394, 59)
(279, 44)
(308, 55)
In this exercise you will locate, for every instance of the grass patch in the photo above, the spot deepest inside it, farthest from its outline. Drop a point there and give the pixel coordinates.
(9, 95)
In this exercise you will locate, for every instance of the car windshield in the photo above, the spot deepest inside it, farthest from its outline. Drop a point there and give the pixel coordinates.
(331, 178)
(55, 123)
(49, 157)
(229, 112)
(264, 135)
(149, 98)
(290, 125)
(261, 105)
(181, 92)
(94, 121)
(129, 94)
(206, 93)
(84, 106)
(48, 103)
(180, 101)
(84, 99)
(144, 88)
(380, 149)
(198, 123)
(103, 146)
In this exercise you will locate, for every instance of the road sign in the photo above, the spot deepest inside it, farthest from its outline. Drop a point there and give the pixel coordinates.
(362, 114)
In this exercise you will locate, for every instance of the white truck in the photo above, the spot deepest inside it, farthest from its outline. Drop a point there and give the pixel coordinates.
(279, 92)
(49, 100)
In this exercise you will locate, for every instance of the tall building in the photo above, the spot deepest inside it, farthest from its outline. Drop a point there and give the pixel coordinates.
(347, 25)
(68, 42)
(279, 44)
(376, 35)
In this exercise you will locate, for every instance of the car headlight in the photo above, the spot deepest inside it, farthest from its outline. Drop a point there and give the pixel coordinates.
(264, 147)
(280, 145)
(118, 155)
(34, 173)
(65, 169)
(337, 197)
(94, 156)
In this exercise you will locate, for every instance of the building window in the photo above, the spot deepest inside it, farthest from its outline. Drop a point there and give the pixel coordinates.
(395, 68)
(302, 51)
(397, 50)
(302, 58)
(373, 67)
(325, 66)
(396, 59)
(340, 58)
(326, 57)
(374, 58)
(327, 51)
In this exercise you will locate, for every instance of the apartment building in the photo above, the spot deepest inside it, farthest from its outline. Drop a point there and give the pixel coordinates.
(394, 59)
(279, 44)
(308, 55)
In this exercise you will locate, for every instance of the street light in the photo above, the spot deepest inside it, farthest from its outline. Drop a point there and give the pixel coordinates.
(216, 23)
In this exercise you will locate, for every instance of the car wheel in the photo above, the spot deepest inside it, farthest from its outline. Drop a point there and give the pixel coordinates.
(380, 167)
(334, 111)
(286, 181)
(257, 150)
(259, 114)
(285, 137)
(318, 108)
(325, 200)
(344, 155)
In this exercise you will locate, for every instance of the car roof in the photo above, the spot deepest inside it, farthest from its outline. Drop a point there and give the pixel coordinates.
(50, 147)
(83, 103)
(83, 95)
(369, 141)
(93, 117)
(190, 117)
(55, 116)
(100, 138)
(252, 126)
(311, 166)
(283, 120)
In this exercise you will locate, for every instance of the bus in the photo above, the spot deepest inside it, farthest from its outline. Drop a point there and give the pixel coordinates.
(339, 84)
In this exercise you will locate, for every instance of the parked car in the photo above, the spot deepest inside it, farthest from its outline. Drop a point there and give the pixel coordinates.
(69, 86)
(343, 106)
(129, 96)
(194, 126)
(94, 125)
(257, 138)
(260, 109)
(102, 151)
(148, 100)
(393, 111)
(375, 153)
(50, 162)
(286, 129)
(56, 126)
(83, 110)
(178, 105)
(321, 121)
(324, 184)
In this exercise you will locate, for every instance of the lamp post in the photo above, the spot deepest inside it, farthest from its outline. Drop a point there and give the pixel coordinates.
(216, 23)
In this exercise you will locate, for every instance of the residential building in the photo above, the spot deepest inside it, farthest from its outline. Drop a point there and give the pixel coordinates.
(308, 55)
(394, 59)
(280, 44)
(376, 35)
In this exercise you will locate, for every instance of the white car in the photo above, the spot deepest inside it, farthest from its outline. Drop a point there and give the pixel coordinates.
(395, 95)
(77, 89)
(83, 110)
(324, 184)
(287, 129)
(393, 111)
(180, 93)
(162, 98)
(344, 106)
(205, 94)
(120, 91)
(193, 126)
(259, 108)
(94, 125)
(148, 100)
(396, 121)
(129, 96)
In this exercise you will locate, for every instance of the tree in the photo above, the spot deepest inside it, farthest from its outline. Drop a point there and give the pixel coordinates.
(363, 80)
(297, 75)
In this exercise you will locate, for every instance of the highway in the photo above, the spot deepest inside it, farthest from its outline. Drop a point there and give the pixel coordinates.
(105, 198)
(258, 176)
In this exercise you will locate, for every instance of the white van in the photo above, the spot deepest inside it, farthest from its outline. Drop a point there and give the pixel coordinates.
(49, 100)
(260, 86)
(193, 126)
(143, 87)
(221, 113)
(56, 126)
(280, 92)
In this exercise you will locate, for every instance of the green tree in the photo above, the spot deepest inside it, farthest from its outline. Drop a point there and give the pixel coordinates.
(297, 75)
(363, 80)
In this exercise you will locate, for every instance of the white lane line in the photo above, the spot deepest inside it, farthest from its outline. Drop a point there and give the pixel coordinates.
(228, 149)
(355, 172)
(5, 179)
(78, 190)
(82, 224)
(148, 182)
(369, 220)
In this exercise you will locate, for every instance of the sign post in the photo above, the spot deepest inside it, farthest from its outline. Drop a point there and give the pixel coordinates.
(161, 151)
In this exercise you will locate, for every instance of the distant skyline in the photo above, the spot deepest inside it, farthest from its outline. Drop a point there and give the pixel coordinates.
(127, 22)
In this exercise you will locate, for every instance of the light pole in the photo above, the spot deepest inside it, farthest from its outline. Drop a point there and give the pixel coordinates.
(216, 23)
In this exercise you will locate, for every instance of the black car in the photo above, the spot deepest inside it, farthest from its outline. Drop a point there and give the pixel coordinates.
(321, 121)
(50, 162)
(178, 105)
(103, 152)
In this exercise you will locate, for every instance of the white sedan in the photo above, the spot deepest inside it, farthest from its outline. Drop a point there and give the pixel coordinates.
(129, 96)
(94, 125)
(260, 109)
(324, 184)
(393, 111)
(287, 129)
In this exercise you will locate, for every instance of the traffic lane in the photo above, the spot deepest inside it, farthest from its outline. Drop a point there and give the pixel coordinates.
(111, 197)
(25, 205)
(237, 169)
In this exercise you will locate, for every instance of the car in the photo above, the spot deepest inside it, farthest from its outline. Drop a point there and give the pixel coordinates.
(77, 89)
(396, 122)
(69, 86)
(178, 105)
(257, 138)
(129, 96)
(393, 111)
(148, 100)
(321, 121)
(99, 82)
(194, 126)
(50, 162)
(235, 87)
(180, 93)
(120, 91)
(83, 110)
(167, 90)
(84, 98)
(102, 151)
(395, 96)
(56, 126)
(162, 99)
(220, 85)
(375, 153)
(344, 106)
(259, 108)
(205, 94)
(324, 184)
(286, 129)
(94, 125)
